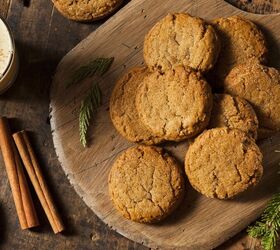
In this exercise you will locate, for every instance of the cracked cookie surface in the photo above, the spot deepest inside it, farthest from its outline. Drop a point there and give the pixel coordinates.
(86, 10)
(223, 162)
(233, 112)
(180, 39)
(175, 105)
(260, 86)
(123, 111)
(145, 184)
(241, 40)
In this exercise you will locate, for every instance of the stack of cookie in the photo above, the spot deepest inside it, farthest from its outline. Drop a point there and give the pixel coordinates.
(171, 100)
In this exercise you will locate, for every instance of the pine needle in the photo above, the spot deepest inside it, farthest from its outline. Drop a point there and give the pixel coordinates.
(88, 107)
(98, 66)
(92, 101)
(267, 229)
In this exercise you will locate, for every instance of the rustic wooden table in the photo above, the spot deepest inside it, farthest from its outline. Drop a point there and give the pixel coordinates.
(42, 37)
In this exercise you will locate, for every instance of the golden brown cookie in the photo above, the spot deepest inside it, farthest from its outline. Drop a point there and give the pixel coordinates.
(86, 10)
(260, 86)
(233, 112)
(145, 184)
(174, 105)
(241, 40)
(180, 39)
(223, 162)
(123, 111)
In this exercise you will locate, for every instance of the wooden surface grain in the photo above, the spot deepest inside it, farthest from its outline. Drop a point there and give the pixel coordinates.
(43, 36)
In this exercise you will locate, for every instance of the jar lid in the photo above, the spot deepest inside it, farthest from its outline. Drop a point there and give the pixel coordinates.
(6, 48)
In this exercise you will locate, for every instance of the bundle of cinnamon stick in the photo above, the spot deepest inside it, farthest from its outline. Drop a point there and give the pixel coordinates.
(16, 149)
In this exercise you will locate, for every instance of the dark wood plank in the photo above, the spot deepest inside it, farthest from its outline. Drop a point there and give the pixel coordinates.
(43, 36)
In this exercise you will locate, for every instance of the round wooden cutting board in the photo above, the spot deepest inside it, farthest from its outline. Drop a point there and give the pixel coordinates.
(199, 223)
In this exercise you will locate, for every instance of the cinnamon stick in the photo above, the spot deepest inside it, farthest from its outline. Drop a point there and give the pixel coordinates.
(23, 202)
(34, 171)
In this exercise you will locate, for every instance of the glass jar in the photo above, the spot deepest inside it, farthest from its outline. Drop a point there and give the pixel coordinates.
(8, 57)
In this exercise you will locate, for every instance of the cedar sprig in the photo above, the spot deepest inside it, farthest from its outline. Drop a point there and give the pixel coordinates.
(268, 227)
(88, 107)
(98, 66)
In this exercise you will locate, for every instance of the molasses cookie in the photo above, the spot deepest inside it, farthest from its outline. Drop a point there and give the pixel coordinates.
(123, 111)
(180, 39)
(241, 40)
(145, 184)
(174, 105)
(223, 162)
(86, 10)
(260, 86)
(233, 112)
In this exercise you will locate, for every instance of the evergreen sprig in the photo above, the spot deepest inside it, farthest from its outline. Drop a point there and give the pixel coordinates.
(268, 227)
(98, 66)
(88, 107)
(92, 101)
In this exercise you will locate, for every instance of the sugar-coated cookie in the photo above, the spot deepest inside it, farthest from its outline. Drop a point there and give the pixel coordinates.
(241, 40)
(174, 105)
(180, 39)
(146, 184)
(123, 111)
(260, 86)
(223, 162)
(86, 10)
(233, 112)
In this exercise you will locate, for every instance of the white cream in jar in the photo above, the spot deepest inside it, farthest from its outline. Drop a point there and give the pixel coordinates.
(8, 58)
